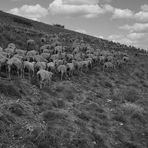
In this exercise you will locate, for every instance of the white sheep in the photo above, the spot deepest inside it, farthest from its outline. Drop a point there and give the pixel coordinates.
(51, 66)
(40, 65)
(58, 49)
(108, 66)
(63, 70)
(102, 59)
(125, 59)
(45, 77)
(17, 62)
(12, 46)
(30, 67)
(46, 55)
(71, 68)
(20, 52)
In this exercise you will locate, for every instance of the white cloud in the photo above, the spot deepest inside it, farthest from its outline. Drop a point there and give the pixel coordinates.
(136, 27)
(122, 13)
(86, 8)
(129, 39)
(33, 12)
(80, 2)
(142, 16)
(135, 36)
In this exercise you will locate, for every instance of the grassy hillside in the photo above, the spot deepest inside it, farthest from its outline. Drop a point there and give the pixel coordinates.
(92, 110)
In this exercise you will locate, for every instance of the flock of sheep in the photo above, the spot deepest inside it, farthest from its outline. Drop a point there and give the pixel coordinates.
(53, 58)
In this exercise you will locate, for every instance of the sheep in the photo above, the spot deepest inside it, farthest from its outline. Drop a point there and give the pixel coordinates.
(30, 67)
(75, 51)
(71, 68)
(63, 70)
(46, 51)
(101, 59)
(30, 44)
(31, 53)
(46, 55)
(108, 65)
(11, 46)
(20, 52)
(45, 47)
(58, 49)
(109, 58)
(43, 40)
(54, 57)
(125, 59)
(17, 62)
(39, 58)
(45, 77)
(69, 57)
(51, 66)
(10, 51)
(40, 65)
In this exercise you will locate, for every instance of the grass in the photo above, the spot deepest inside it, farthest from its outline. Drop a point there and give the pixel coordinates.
(94, 110)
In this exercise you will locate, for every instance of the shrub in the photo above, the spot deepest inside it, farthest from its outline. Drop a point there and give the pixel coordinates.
(130, 95)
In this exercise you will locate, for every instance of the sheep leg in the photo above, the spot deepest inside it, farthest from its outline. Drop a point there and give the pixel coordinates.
(61, 75)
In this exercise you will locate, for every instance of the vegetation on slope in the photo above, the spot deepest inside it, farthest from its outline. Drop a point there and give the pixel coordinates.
(93, 110)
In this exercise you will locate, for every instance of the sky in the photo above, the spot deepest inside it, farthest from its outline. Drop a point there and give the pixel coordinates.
(124, 21)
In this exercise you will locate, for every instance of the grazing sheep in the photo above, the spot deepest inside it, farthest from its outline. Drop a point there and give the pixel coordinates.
(31, 53)
(63, 70)
(46, 55)
(126, 59)
(70, 68)
(109, 58)
(76, 50)
(20, 52)
(101, 59)
(18, 56)
(51, 66)
(58, 49)
(40, 65)
(45, 47)
(10, 51)
(11, 46)
(54, 57)
(45, 77)
(69, 57)
(30, 44)
(30, 67)
(46, 51)
(17, 63)
(39, 58)
(108, 66)
(43, 40)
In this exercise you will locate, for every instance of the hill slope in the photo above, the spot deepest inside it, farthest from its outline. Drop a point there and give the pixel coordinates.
(92, 110)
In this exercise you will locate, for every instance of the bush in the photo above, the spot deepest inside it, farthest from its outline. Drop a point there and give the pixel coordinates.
(130, 95)
(9, 90)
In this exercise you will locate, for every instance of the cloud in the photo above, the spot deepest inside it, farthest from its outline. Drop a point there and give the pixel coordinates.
(129, 39)
(34, 12)
(142, 16)
(122, 13)
(138, 27)
(135, 36)
(84, 8)
(80, 2)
